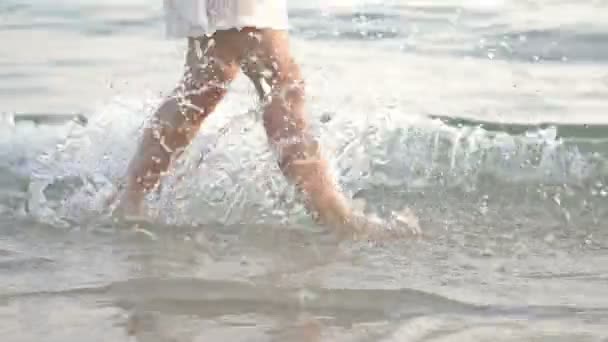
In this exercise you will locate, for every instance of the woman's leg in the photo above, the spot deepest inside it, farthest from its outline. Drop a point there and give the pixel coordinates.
(268, 59)
(211, 64)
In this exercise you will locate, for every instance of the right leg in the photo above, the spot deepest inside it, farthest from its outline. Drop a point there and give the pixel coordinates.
(211, 64)
(268, 60)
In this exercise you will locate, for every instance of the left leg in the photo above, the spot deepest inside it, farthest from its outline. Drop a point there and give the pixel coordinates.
(210, 67)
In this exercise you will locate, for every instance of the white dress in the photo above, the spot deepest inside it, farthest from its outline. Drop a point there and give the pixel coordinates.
(195, 18)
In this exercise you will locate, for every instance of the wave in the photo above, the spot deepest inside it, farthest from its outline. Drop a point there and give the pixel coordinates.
(459, 31)
(549, 45)
(67, 169)
(569, 132)
(465, 30)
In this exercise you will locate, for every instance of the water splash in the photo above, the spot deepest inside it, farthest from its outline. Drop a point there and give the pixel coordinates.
(70, 171)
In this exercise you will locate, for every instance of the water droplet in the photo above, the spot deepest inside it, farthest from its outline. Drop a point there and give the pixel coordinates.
(556, 198)
(567, 215)
(487, 252)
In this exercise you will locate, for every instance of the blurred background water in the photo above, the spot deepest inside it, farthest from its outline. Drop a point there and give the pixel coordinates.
(487, 118)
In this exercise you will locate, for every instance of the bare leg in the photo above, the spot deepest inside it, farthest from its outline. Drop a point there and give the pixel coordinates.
(268, 59)
(210, 67)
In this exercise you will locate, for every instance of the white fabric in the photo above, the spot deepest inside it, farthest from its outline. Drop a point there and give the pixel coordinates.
(194, 18)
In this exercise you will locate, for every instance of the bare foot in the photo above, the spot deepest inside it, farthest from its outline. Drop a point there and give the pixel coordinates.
(402, 224)
(130, 209)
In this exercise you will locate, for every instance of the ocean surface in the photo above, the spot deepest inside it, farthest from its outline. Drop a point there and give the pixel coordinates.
(488, 119)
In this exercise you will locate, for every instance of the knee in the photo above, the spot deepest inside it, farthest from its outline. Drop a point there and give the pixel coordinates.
(196, 100)
(203, 85)
(289, 76)
(288, 86)
(207, 98)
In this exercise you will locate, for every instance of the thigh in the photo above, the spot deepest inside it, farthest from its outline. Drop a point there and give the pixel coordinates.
(267, 58)
(211, 64)
(211, 59)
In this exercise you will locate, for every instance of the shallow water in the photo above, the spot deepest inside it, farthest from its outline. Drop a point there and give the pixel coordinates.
(487, 119)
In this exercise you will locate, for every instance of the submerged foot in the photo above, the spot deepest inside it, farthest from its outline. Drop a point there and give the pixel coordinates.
(126, 206)
(402, 224)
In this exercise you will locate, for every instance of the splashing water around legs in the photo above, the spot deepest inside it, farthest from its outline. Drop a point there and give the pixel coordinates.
(212, 63)
(178, 119)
